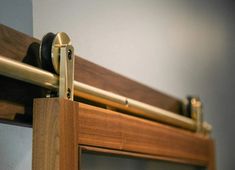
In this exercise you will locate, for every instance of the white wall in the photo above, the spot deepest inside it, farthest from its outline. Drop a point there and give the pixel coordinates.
(17, 14)
(179, 47)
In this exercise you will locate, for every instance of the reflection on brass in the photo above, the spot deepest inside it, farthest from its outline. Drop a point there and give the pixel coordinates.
(206, 128)
(161, 115)
(96, 94)
(196, 112)
(61, 40)
(33, 75)
(28, 73)
(62, 55)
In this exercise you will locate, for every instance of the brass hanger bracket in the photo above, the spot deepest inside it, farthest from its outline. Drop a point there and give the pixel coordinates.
(193, 108)
(57, 55)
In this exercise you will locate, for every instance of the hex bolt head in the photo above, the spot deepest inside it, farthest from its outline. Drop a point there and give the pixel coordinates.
(68, 93)
(70, 53)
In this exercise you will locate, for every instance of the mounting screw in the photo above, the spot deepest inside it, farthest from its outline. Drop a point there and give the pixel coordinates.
(70, 54)
(68, 93)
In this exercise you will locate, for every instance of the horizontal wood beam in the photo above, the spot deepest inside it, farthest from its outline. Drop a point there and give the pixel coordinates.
(108, 129)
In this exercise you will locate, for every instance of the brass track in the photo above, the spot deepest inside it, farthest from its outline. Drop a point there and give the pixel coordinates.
(33, 75)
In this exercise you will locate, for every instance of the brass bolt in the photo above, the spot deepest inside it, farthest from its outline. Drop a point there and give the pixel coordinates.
(68, 93)
(70, 54)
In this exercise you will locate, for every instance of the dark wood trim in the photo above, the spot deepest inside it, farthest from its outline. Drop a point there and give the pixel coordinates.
(14, 44)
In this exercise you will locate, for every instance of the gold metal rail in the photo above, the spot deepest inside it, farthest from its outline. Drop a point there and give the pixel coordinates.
(36, 76)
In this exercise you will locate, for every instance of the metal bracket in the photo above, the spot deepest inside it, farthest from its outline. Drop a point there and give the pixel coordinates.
(192, 107)
(66, 72)
(196, 113)
(57, 56)
(62, 54)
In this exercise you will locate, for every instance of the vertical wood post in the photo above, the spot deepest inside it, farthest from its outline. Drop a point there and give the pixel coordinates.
(212, 159)
(55, 145)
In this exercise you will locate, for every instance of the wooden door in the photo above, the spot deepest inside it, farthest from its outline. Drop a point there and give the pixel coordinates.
(63, 130)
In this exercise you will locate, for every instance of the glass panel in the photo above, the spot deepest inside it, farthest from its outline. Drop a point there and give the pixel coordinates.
(96, 161)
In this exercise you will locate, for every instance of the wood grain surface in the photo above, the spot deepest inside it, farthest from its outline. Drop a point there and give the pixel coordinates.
(212, 156)
(63, 129)
(108, 129)
(8, 110)
(54, 135)
(15, 45)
